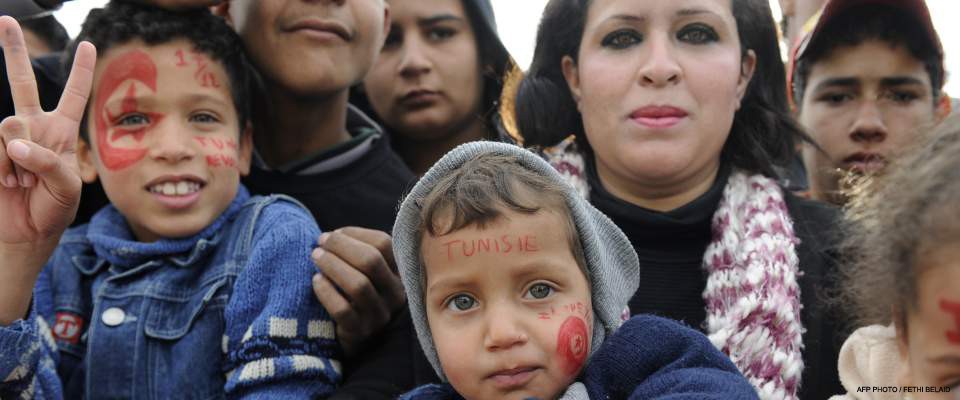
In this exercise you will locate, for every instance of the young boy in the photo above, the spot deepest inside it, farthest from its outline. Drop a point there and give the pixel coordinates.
(867, 82)
(517, 288)
(185, 286)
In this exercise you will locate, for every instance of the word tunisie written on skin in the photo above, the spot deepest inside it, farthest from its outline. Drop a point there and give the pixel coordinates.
(505, 244)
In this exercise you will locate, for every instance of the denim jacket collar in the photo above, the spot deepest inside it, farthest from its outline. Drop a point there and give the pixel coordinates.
(114, 242)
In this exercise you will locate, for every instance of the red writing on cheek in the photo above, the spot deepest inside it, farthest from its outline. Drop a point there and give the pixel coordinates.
(221, 160)
(573, 308)
(218, 144)
(954, 309)
(133, 65)
(504, 245)
(572, 345)
(204, 77)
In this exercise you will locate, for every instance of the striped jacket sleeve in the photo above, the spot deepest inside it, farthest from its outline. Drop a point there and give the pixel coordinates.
(279, 341)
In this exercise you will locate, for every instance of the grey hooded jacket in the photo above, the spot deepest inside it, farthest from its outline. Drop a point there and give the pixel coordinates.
(612, 266)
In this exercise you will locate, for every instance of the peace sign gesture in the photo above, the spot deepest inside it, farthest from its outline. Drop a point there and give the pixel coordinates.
(39, 176)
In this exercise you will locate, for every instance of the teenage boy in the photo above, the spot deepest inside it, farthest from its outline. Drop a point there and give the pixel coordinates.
(866, 82)
(311, 144)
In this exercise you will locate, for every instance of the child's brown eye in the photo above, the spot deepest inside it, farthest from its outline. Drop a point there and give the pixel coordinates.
(540, 290)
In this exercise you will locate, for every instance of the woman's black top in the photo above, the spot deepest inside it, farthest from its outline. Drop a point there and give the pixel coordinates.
(670, 246)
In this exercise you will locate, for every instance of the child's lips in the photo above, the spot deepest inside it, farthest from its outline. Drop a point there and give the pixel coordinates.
(178, 202)
(176, 191)
(513, 378)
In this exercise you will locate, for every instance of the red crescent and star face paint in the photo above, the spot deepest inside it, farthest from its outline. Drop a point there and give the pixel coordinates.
(129, 68)
(573, 344)
(512, 300)
(166, 137)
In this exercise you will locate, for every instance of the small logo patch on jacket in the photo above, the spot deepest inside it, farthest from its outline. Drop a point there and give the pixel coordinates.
(68, 327)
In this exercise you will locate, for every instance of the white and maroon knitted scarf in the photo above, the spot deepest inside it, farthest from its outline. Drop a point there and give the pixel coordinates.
(752, 294)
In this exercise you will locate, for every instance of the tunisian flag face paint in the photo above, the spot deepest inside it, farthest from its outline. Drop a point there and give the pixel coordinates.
(572, 344)
(127, 72)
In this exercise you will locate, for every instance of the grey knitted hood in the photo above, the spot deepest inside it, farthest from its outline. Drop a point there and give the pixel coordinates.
(613, 270)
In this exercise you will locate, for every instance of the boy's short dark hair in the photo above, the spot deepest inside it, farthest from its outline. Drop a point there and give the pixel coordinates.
(480, 190)
(871, 22)
(47, 29)
(120, 22)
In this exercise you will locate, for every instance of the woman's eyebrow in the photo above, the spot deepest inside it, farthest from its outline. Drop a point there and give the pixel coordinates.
(694, 11)
(433, 19)
(626, 18)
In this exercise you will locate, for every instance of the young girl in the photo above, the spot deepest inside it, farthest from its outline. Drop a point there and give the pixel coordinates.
(905, 278)
(438, 79)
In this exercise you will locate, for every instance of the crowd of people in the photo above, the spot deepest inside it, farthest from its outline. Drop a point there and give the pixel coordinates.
(369, 199)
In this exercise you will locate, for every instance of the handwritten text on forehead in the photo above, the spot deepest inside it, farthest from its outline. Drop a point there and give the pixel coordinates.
(505, 244)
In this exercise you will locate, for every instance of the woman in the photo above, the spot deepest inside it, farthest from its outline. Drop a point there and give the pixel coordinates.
(678, 110)
(438, 79)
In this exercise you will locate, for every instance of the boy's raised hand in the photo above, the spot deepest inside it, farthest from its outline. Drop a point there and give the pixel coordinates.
(39, 177)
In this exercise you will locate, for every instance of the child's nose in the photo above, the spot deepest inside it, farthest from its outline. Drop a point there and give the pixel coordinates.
(171, 143)
(504, 330)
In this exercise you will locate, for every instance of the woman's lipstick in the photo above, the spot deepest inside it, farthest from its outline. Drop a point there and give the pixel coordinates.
(658, 117)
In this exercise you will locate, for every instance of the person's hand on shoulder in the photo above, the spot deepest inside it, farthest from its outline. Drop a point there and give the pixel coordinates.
(358, 283)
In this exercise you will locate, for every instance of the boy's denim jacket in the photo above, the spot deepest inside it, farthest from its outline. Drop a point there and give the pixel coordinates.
(227, 313)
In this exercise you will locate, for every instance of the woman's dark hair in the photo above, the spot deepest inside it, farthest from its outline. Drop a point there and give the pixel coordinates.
(763, 134)
(120, 22)
(904, 214)
(494, 59)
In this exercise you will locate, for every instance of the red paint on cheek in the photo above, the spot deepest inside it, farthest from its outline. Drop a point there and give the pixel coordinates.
(221, 160)
(952, 308)
(572, 345)
(134, 65)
